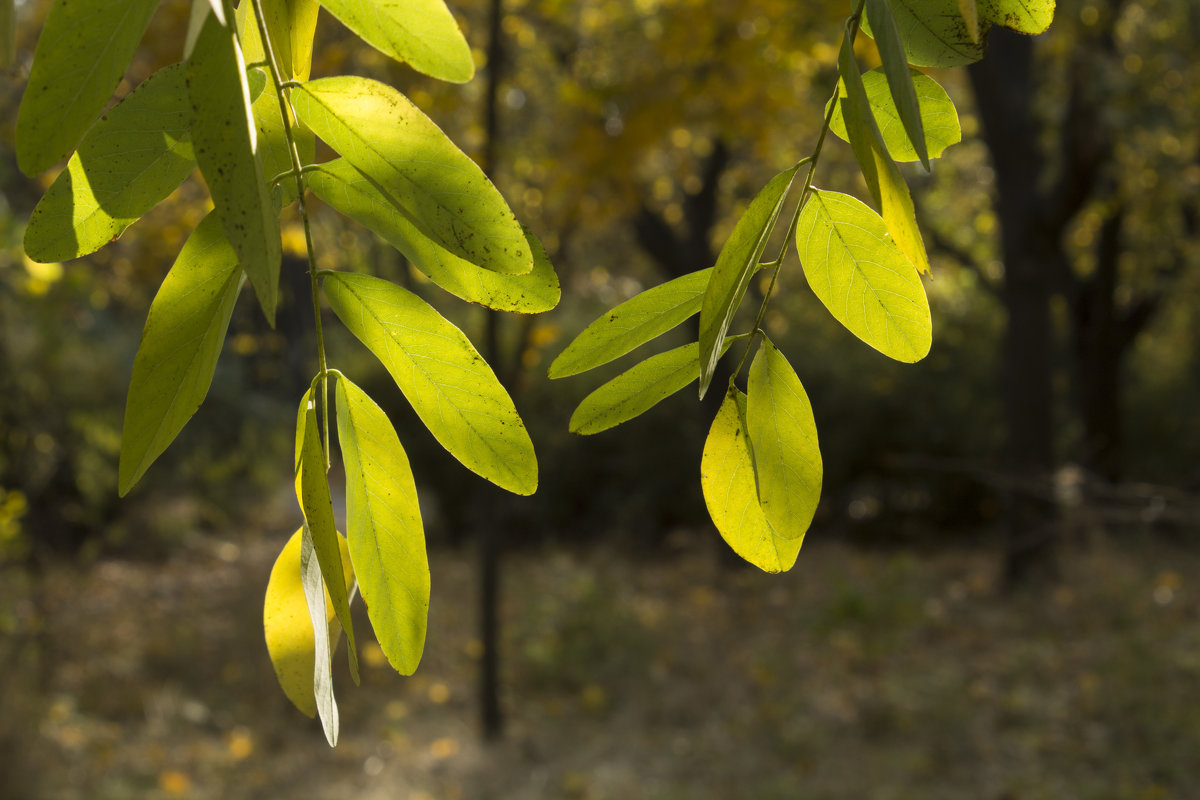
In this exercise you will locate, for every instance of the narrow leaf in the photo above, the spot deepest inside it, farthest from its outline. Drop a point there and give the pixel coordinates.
(442, 191)
(84, 49)
(783, 434)
(313, 492)
(291, 24)
(178, 353)
(315, 592)
(939, 118)
(860, 275)
(899, 78)
(728, 483)
(342, 186)
(638, 320)
(447, 382)
(224, 136)
(738, 261)
(970, 15)
(288, 627)
(129, 161)
(881, 173)
(421, 33)
(638, 389)
(383, 525)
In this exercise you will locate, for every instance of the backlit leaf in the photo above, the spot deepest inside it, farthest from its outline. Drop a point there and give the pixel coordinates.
(224, 138)
(312, 488)
(970, 15)
(638, 389)
(860, 275)
(935, 33)
(288, 626)
(316, 592)
(899, 77)
(84, 48)
(421, 33)
(1025, 16)
(938, 114)
(340, 185)
(383, 525)
(783, 434)
(129, 161)
(728, 483)
(447, 382)
(180, 345)
(881, 173)
(638, 320)
(739, 260)
(442, 191)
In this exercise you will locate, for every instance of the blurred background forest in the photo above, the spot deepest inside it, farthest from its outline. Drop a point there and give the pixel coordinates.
(998, 595)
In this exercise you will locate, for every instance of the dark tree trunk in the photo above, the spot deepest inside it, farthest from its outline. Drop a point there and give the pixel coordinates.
(1003, 86)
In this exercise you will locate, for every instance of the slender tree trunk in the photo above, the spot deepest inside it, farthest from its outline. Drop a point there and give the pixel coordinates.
(1003, 85)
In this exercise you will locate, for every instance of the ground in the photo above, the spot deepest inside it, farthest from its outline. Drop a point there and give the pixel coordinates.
(860, 674)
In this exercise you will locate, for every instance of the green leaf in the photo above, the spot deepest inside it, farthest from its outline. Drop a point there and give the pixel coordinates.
(783, 435)
(447, 382)
(728, 483)
(935, 33)
(223, 134)
(860, 275)
(312, 489)
(8, 33)
(638, 320)
(291, 24)
(129, 161)
(273, 149)
(84, 48)
(881, 173)
(315, 592)
(178, 353)
(383, 525)
(738, 261)
(342, 186)
(438, 187)
(638, 389)
(1025, 16)
(938, 114)
(421, 33)
(288, 627)
(899, 78)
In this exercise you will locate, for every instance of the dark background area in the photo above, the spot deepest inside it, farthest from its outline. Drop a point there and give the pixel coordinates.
(996, 598)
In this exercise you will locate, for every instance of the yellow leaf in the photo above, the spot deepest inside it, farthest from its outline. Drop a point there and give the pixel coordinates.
(288, 627)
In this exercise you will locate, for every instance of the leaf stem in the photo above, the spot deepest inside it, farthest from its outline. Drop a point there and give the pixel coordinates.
(286, 112)
(852, 27)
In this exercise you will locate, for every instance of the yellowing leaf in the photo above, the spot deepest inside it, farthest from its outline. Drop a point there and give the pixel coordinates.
(288, 627)
(422, 33)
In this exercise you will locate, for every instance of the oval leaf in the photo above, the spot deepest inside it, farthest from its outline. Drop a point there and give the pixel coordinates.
(860, 275)
(899, 78)
(312, 489)
(383, 525)
(129, 161)
(180, 344)
(638, 389)
(288, 627)
(728, 483)
(638, 320)
(447, 382)
(442, 191)
(421, 33)
(881, 173)
(1025, 16)
(342, 186)
(738, 261)
(938, 115)
(224, 136)
(935, 33)
(84, 48)
(783, 433)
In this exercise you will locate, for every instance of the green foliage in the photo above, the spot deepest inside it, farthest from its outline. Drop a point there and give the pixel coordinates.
(251, 128)
(761, 469)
